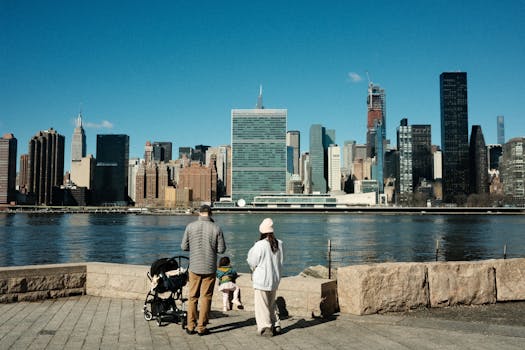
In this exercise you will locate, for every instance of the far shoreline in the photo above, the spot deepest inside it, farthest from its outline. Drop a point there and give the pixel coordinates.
(381, 210)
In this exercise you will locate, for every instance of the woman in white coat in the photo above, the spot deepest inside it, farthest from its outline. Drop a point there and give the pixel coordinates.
(266, 261)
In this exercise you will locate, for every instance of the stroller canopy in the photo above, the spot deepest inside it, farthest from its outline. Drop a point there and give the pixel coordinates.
(162, 265)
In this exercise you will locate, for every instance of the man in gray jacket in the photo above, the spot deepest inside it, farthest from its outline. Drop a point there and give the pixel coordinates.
(203, 239)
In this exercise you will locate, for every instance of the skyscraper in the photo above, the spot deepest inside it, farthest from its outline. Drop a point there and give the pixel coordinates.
(23, 176)
(111, 170)
(162, 151)
(493, 154)
(78, 141)
(348, 157)
(454, 134)
(334, 168)
(513, 171)
(293, 139)
(377, 170)
(8, 148)
(404, 184)
(258, 151)
(421, 154)
(376, 106)
(46, 165)
(317, 158)
(479, 174)
(501, 129)
(82, 167)
(148, 153)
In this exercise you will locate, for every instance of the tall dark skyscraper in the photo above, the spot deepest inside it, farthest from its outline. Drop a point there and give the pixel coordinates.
(479, 175)
(454, 135)
(46, 165)
(421, 154)
(8, 146)
(111, 170)
(162, 151)
(494, 153)
(501, 129)
(320, 140)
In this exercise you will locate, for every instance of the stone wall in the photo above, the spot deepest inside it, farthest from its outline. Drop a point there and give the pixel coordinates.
(117, 280)
(28, 283)
(368, 289)
(299, 296)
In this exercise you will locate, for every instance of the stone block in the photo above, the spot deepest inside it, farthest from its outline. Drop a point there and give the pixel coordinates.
(3, 286)
(75, 280)
(42, 283)
(510, 279)
(17, 285)
(369, 289)
(8, 298)
(461, 283)
(66, 292)
(33, 296)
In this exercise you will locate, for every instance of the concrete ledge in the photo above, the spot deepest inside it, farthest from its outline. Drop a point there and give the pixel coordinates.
(297, 295)
(117, 280)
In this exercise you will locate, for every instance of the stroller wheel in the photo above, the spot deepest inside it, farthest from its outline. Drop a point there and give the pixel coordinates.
(147, 315)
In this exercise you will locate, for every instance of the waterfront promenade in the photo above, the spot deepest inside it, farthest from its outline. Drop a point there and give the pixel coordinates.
(88, 322)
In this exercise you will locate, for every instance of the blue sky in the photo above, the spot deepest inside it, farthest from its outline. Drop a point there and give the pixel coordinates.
(173, 70)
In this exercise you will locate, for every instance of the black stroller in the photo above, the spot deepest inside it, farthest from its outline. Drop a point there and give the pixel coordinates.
(167, 277)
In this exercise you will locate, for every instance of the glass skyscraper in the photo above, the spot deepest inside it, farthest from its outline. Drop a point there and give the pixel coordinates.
(258, 152)
(479, 173)
(111, 170)
(162, 151)
(454, 135)
(501, 129)
(317, 158)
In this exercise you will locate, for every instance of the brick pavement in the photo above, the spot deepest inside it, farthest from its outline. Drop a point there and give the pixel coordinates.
(89, 322)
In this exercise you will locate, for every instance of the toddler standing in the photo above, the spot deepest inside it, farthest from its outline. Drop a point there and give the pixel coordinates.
(227, 277)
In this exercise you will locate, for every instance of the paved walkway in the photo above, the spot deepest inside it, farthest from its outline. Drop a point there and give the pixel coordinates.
(101, 323)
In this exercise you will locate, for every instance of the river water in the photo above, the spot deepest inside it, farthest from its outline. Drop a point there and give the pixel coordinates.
(28, 239)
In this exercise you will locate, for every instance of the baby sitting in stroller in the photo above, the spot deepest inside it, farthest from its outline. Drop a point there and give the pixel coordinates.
(167, 276)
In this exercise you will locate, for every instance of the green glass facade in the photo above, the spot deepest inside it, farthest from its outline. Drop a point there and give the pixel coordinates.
(258, 152)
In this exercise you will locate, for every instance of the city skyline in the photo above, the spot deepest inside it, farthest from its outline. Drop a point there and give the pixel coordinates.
(173, 72)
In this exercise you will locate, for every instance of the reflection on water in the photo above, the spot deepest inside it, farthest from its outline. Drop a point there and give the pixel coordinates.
(367, 238)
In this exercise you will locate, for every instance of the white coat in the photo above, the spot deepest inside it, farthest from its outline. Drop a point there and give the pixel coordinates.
(266, 265)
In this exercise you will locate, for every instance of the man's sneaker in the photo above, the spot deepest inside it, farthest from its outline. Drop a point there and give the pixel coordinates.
(190, 331)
